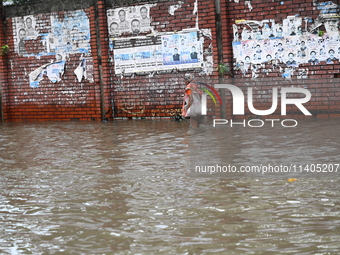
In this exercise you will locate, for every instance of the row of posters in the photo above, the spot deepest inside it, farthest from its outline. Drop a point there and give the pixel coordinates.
(297, 40)
(290, 50)
(291, 26)
(135, 53)
(129, 20)
(167, 52)
(68, 35)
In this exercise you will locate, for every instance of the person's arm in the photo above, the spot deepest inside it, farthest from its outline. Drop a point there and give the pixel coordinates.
(189, 93)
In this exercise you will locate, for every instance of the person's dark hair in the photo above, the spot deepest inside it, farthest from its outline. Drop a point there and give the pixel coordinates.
(134, 20)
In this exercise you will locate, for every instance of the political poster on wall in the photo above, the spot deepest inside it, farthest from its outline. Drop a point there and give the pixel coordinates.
(71, 34)
(129, 20)
(289, 44)
(165, 52)
(182, 50)
(133, 53)
(68, 35)
(25, 28)
(296, 41)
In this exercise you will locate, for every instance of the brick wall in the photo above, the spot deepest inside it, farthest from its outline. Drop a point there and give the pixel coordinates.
(320, 79)
(66, 99)
(159, 94)
(104, 93)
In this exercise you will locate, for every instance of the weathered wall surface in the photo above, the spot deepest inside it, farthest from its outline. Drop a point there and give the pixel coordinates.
(52, 73)
(91, 60)
(147, 77)
(287, 43)
(69, 64)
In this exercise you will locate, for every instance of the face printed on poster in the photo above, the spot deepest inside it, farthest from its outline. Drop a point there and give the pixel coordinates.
(129, 20)
(288, 44)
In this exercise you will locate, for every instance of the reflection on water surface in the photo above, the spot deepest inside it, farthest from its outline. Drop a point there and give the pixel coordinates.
(125, 188)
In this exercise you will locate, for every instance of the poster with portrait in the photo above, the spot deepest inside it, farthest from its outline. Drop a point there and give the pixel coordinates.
(291, 49)
(162, 53)
(257, 52)
(332, 49)
(291, 44)
(292, 26)
(70, 34)
(190, 49)
(130, 20)
(313, 49)
(170, 49)
(268, 51)
(25, 28)
(182, 50)
(331, 26)
(301, 50)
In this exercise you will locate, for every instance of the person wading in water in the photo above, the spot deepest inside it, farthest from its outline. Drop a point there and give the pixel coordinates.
(192, 101)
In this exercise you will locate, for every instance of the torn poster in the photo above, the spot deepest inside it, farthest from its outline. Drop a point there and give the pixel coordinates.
(70, 34)
(54, 71)
(80, 70)
(288, 44)
(173, 8)
(85, 70)
(248, 3)
(287, 75)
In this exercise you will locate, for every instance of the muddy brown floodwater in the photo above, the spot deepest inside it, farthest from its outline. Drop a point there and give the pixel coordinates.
(129, 187)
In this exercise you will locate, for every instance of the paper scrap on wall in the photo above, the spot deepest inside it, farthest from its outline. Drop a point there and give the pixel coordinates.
(54, 71)
(85, 70)
(175, 7)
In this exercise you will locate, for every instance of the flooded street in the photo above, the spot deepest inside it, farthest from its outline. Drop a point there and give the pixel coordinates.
(128, 187)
